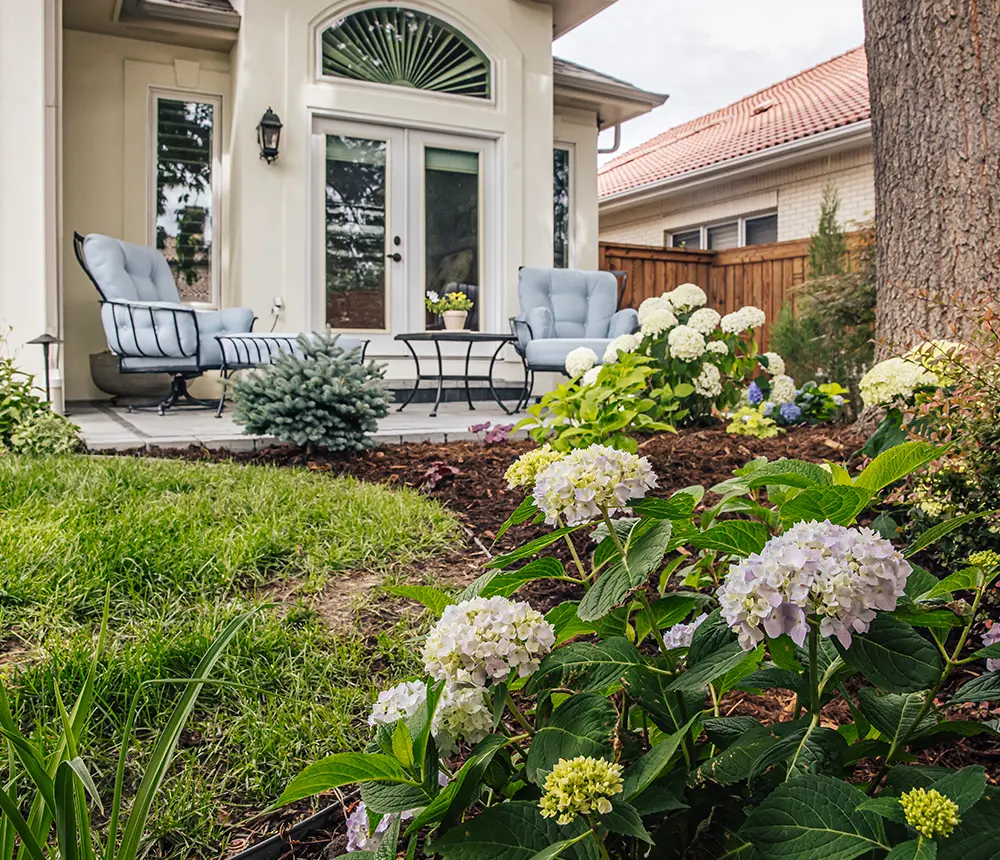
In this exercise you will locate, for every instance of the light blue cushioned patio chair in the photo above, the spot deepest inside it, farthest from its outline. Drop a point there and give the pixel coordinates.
(562, 309)
(146, 325)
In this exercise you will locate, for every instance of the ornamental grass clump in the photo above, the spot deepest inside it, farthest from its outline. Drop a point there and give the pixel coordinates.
(614, 736)
(325, 398)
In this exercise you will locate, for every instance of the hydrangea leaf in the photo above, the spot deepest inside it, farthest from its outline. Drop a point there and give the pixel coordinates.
(915, 849)
(712, 634)
(893, 714)
(650, 767)
(895, 464)
(586, 666)
(840, 505)
(582, 725)
(935, 533)
(710, 669)
(513, 831)
(984, 846)
(809, 749)
(522, 513)
(668, 611)
(388, 845)
(532, 547)
(386, 798)
(507, 583)
(885, 807)
(433, 598)
(964, 786)
(669, 710)
(679, 506)
(735, 763)
(343, 769)
(786, 473)
(624, 820)
(566, 622)
(723, 731)
(985, 688)
(967, 579)
(894, 657)
(735, 537)
(812, 817)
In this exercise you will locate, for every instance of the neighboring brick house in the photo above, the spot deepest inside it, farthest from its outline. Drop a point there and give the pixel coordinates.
(753, 172)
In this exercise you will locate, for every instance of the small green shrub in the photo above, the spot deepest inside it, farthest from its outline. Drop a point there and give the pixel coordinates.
(326, 398)
(45, 432)
(18, 397)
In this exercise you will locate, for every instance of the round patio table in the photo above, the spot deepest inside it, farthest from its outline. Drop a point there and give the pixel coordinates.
(470, 338)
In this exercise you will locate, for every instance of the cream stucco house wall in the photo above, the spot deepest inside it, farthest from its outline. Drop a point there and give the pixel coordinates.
(753, 172)
(102, 89)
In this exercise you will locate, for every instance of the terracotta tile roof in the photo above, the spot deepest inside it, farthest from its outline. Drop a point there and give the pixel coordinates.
(827, 96)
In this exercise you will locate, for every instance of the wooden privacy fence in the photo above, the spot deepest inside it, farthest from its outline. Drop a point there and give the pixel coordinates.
(761, 275)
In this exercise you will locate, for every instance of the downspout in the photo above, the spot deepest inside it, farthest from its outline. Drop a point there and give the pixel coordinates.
(618, 139)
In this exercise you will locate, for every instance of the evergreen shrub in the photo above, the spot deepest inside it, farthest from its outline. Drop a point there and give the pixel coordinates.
(327, 398)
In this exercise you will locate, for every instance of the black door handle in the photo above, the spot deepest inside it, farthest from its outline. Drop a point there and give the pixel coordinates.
(396, 258)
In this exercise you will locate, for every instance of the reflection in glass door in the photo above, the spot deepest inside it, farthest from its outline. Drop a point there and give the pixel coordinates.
(356, 224)
(452, 234)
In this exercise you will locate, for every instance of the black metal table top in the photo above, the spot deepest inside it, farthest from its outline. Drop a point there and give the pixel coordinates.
(457, 336)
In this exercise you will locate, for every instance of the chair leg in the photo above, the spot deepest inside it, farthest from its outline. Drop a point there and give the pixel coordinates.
(179, 397)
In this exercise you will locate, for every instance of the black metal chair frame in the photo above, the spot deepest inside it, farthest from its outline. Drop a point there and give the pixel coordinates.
(179, 394)
(272, 343)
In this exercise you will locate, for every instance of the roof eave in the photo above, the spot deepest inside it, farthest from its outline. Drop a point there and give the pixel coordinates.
(824, 143)
(614, 103)
(153, 11)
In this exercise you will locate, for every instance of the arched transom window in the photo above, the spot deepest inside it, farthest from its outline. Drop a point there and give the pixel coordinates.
(403, 47)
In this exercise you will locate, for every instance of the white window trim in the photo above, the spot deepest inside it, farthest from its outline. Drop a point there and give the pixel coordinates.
(569, 148)
(155, 94)
(741, 226)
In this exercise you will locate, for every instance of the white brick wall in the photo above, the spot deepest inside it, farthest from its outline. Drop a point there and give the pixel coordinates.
(795, 191)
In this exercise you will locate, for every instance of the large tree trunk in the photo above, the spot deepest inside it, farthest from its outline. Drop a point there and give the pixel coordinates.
(934, 72)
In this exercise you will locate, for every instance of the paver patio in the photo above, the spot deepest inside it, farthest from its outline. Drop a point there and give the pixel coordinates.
(105, 427)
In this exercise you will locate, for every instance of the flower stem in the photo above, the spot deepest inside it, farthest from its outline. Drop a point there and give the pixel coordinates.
(519, 715)
(600, 841)
(814, 700)
(576, 558)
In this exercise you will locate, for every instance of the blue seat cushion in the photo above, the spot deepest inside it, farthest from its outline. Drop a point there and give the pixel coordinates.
(549, 353)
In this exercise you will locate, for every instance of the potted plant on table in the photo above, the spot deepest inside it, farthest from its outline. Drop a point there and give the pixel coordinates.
(453, 308)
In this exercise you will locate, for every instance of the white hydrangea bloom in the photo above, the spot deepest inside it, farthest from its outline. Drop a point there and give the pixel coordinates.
(708, 383)
(893, 379)
(783, 389)
(992, 637)
(840, 576)
(718, 347)
(462, 714)
(705, 320)
(579, 361)
(680, 635)
(744, 319)
(686, 297)
(622, 343)
(653, 305)
(686, 343)
(657, 322)
(574, 489)
(775, 364)
(398, 703)
(485, 639)
(590, 377)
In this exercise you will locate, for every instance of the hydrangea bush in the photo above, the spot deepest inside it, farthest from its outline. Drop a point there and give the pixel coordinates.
(326, 398)
(775, 403)
(685, 363)
(600, 729)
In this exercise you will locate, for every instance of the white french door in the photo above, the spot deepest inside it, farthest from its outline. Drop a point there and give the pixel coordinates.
(401, 212)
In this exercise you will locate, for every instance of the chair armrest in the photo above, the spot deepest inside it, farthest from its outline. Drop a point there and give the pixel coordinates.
(624, 322)
(150, 329)
(235, 320)
(521, 329)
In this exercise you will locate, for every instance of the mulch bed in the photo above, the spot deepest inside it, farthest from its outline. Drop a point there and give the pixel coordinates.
(467, 477)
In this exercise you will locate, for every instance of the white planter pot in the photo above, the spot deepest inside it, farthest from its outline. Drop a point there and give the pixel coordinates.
(454, 320)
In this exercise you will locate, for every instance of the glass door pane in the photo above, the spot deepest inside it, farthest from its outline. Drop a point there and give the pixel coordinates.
(452, 229)
(356, 197)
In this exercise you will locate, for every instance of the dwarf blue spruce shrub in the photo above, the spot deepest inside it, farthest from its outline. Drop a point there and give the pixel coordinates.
(327, 398)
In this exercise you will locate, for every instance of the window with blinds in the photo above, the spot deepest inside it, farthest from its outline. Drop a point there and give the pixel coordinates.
(186, 186)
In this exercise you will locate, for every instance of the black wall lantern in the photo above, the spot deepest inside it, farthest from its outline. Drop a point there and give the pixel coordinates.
(268, 135)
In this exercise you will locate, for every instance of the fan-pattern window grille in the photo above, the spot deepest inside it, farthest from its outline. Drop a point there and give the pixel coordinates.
(390, 45)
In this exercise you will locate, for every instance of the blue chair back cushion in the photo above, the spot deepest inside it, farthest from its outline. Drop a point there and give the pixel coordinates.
(132, 273)
(581, 303)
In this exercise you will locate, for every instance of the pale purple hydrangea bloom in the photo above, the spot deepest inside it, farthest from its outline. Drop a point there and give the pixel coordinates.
(573, 490)
(790, 412)
(680, 635)
(839, 576)
(485, 639)
(359, 838)
(767, 409)
(992, 637)
(754, 395)
(461, 714)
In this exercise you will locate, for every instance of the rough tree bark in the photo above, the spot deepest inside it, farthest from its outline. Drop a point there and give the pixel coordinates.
(934, 74)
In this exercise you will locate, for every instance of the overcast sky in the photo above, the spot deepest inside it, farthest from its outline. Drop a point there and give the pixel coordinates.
(708, 53)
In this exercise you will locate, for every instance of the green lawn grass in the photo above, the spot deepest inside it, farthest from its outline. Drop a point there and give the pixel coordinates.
(183, 547)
